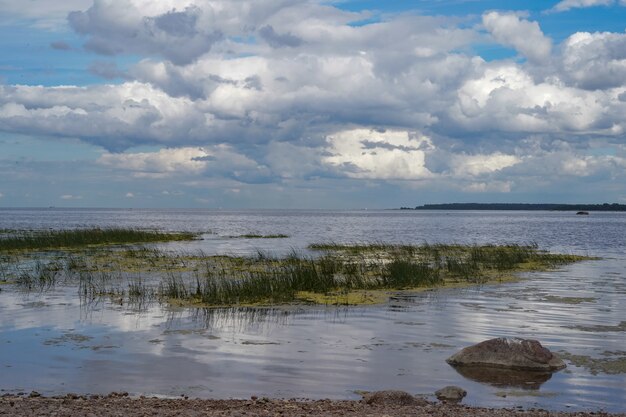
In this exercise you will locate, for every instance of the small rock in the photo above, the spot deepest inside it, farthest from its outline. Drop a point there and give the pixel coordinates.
(34, 394)
(451, 394)
(392, 397)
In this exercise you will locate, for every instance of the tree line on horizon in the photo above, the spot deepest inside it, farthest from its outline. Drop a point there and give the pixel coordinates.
(520, 206)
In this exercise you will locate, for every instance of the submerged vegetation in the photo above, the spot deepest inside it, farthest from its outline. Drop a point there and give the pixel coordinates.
(331, 274)
(75, 238)
(612, 363)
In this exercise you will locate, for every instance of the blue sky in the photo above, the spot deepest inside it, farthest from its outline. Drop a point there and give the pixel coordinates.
(307, 104)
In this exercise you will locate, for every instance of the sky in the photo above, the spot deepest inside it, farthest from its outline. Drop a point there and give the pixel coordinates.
(345, 104)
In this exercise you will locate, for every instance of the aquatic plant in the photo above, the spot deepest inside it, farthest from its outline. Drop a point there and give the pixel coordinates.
(404, 273)
(43, 275)
(266, 280)
(197, 279)
(51, 239)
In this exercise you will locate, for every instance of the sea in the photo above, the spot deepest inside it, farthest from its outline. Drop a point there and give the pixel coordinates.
(52, 342)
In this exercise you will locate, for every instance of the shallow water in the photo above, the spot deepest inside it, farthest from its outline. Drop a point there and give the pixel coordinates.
(52, 343)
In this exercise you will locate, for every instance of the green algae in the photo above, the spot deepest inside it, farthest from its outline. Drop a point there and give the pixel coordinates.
(350, 298)
(611, 365)
(73, 338)
(569, 300)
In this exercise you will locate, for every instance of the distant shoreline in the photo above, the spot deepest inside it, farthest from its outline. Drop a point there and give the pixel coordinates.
(520, 206)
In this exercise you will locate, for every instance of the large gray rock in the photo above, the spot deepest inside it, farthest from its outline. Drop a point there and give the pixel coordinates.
(392, 397)
(508, 353)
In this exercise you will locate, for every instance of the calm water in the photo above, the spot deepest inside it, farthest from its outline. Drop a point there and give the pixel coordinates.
(51, 343)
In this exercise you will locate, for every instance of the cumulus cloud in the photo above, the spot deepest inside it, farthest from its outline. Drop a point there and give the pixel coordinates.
(525, 36)
(219, 161)
(112, 116)
(566, 5)
(405, 73)
(279, 92)
(507, 98)
(319, 74)
(364, 153)
(127, 27)
(464, 165)
(164, 162)
(595, 60)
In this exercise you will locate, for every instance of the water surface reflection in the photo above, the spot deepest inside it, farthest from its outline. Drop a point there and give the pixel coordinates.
(53, 343)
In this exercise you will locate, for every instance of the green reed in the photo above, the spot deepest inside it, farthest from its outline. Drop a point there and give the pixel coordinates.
(139, 274)
(52, 239)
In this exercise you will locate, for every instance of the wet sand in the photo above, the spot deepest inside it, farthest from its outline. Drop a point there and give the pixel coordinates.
(122, 405)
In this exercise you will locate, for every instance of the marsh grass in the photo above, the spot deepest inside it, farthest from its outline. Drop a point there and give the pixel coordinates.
(263, 279)
(52, 239)
(339, 272)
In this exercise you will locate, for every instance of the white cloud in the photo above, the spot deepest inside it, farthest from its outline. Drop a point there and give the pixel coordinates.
(71, 197)
(218, 160)
(130, 195)
(475, 165)
(113, 116)
(180, 35)
(362, 153)
(506, 98)
(526, 37)
(575, 166)
(234, 93)
(1, 195)
(595, 60)
(575, 4)
(165, 161)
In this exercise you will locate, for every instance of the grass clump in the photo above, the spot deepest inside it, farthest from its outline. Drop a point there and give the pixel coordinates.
(349, 273)
(54, 239)
(341, 274)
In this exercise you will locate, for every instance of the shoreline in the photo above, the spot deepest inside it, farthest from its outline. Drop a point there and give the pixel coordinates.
(115, 404)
